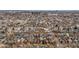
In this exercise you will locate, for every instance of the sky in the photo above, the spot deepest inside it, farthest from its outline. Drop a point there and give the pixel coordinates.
(39, 4)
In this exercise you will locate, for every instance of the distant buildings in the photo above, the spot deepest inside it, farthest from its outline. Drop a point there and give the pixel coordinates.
(47, 29)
